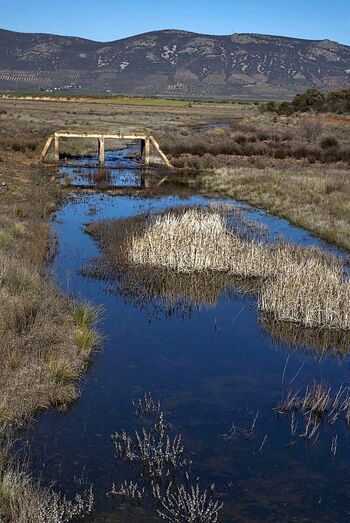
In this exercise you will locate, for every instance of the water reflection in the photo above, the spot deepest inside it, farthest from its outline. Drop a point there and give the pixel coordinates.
(324, 342)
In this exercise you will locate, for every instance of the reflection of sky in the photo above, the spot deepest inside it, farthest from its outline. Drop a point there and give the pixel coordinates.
(121, 169)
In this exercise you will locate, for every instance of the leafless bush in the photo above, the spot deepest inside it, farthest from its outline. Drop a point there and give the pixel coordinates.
(189, 505)
(146, 406)
(158, 452)
(163, 467)
(129, 491)
(311, 128)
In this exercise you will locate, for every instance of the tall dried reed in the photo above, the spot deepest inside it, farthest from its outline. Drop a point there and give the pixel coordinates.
(312, 293)
(295, 284)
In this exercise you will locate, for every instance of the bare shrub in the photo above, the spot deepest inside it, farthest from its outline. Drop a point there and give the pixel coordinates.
(159, 453)
(329, 141)
(189, 505)
(311, 128)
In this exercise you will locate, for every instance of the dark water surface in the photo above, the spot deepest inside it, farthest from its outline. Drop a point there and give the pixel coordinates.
(217, 366)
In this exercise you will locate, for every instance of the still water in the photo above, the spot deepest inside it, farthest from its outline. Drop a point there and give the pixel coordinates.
(209, 368)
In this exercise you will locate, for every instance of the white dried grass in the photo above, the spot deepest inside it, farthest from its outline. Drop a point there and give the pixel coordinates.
(198, 241)
(298, 285)
(311, 293)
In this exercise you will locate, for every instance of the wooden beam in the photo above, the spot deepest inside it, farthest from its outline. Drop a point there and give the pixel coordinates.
(147, 151)
(160, 152)
(46, 147)
(101, 150)
(56, 148)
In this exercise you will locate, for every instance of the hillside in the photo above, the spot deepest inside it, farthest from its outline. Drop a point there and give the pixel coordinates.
(173, 63)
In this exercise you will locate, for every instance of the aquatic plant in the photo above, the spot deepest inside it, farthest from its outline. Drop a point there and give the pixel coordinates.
(159, 453)
(164, 474)
(317, 407)
(129, 491)
(146, 406)
(189, 505)
(237, 432)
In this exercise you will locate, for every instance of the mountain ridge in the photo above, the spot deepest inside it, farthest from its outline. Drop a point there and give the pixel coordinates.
(173, 62)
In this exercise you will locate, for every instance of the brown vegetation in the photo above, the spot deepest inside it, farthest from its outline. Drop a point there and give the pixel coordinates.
(22, 500)
(41, 346)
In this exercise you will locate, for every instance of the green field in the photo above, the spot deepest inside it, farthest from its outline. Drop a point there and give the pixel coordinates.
(122, 100)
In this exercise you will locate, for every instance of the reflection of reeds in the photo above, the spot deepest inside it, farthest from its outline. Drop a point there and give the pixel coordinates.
(292, 335)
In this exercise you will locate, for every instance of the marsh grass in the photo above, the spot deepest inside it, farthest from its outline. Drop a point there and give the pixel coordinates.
(85, 317)
(22, 500)
(311, 293)
(41, 362)
(293, 284)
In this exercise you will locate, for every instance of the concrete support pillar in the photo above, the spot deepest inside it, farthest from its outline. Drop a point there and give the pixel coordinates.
(101, 150)
(56, 154)
(147, 150)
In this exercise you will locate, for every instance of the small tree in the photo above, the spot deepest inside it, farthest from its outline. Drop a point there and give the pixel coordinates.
(310, 99)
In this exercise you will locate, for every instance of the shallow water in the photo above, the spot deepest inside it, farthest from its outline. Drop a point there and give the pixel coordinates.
(211, 368)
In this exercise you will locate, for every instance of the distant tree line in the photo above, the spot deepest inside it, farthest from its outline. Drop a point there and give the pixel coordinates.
(313, 100)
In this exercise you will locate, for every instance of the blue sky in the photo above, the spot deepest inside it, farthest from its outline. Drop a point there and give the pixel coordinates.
(106, 20)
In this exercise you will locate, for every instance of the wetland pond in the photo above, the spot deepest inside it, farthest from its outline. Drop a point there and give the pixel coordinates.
(210, 366)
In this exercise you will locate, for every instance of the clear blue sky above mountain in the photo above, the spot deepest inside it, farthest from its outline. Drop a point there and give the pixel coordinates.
(113, 19)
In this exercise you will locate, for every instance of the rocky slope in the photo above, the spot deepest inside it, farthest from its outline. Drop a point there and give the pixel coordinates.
(173, 62)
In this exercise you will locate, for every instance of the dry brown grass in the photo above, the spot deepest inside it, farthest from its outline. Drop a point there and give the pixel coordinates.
(312, 293)
(41, 362)
(22, 500)
(315, 197)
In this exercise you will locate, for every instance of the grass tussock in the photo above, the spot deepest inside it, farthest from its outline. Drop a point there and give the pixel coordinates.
(296, 285)
(22, 500)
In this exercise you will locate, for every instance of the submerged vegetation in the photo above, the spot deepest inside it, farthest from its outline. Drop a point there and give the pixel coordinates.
(162, 472)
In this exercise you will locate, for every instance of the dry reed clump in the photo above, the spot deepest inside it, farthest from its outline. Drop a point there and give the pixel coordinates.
(24, 501)
(298, 285)
(198, 240)
(311, 292)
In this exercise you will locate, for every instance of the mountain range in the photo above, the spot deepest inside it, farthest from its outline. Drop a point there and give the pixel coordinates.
(173, 63)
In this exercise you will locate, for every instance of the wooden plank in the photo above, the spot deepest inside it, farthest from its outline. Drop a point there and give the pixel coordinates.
(160, 152)
(56, 148)
(46, 147)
